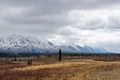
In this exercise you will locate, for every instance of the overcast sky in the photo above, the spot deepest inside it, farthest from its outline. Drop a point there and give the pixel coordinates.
(90, 22)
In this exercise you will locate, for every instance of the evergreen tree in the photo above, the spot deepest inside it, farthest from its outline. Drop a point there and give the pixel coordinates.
(60, 55)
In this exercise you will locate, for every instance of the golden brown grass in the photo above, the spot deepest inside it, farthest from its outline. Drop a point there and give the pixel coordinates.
(65, 70)
(55, 65)
(88, 70)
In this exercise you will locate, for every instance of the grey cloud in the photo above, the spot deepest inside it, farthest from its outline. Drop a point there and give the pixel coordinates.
(114, 23)
(60, 3)
(38, 8)
(54, 20)
(92, 25)
(55, 6)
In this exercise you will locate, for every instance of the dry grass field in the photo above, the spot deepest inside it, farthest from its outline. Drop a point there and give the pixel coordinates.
(51, 69)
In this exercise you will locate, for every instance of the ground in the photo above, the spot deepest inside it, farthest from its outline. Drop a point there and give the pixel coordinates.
(76, 69)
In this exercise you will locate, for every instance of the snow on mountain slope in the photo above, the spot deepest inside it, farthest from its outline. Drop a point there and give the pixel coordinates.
(27, 44)
(18, 43)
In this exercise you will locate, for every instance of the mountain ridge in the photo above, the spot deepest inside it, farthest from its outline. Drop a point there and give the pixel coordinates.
(28, 44)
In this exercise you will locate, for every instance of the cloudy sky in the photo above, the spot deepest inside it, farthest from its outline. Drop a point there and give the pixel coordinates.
(90, 22)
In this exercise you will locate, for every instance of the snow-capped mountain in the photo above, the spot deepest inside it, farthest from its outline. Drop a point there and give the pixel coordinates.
(27, 44)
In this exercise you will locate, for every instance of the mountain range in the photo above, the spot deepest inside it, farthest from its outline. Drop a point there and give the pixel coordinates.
(28, 44)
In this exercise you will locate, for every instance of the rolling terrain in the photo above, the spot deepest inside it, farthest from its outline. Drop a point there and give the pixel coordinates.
(48, 68)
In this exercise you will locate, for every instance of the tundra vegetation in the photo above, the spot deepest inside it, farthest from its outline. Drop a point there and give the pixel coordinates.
(66, 67)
